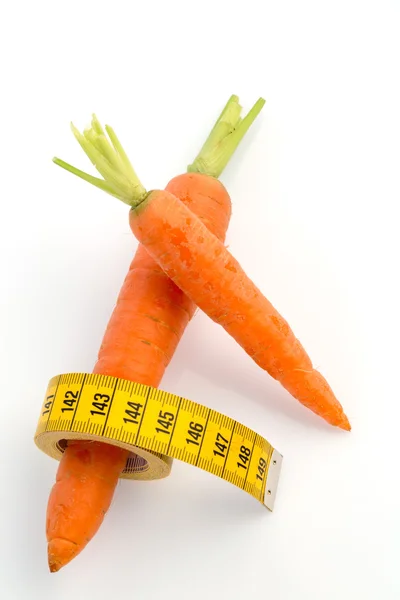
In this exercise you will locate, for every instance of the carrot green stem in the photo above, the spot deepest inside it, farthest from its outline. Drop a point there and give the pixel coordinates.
(224, 138)
(106, 153)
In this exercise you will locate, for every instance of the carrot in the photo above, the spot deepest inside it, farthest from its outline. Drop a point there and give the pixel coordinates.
(206, 272)
(144, 330)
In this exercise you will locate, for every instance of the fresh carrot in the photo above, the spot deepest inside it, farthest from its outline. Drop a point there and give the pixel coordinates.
(206, 272)
(147, 323)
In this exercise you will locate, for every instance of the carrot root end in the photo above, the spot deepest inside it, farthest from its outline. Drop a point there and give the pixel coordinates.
(345, 424)
(60, 552)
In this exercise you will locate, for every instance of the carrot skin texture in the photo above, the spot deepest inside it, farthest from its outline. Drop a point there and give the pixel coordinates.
(152, 312)
(85, 485)
(143, 332)
(205, 270)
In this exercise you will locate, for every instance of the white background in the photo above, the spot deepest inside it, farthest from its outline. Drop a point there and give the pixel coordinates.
(315, 191)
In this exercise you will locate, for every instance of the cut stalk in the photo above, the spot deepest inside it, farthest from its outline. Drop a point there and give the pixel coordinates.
(110, 160)
(120, 180)
(99, 183)
(224, 138)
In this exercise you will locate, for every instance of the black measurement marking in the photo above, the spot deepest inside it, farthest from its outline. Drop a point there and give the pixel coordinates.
(48, 404)
(202, 439)
(195, 432)
(100, 403)
(165, 419)
(133, 413)
(230, 441)
(262, 466)
(77, 404)
(247, 470)
(69, 401)
(174, 425)
(244, 457)
(51, 407)
(264, 483)
(109, 407)
(141, 422)
(220, 445)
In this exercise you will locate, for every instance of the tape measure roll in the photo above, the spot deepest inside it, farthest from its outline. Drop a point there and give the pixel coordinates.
(156, 427)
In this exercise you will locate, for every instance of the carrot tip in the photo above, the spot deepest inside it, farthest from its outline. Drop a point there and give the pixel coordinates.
(345, 424)
(60, 552)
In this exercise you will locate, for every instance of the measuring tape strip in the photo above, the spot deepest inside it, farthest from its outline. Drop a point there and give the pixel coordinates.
(155, 426)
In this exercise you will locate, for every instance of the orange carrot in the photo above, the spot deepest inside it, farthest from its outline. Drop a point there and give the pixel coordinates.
(85, 484)
(206, 272)
(152, 312)
(147, 323)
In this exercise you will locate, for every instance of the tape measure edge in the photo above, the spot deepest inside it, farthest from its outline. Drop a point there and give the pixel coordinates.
(267, 498)
(154, 460)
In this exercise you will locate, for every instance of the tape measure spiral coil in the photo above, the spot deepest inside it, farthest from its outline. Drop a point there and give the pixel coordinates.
(156, 427)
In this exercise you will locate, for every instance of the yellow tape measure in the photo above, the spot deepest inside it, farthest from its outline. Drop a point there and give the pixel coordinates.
(155, 427)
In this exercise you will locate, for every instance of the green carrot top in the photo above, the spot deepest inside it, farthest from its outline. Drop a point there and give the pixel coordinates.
(107, 154)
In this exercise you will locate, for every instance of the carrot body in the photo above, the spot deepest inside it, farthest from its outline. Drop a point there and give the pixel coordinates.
(85, 484)
(205, 270)
(147, 323)
(152, 312)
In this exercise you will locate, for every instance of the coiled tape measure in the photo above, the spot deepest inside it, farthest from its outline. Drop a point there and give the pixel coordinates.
(156, 427)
